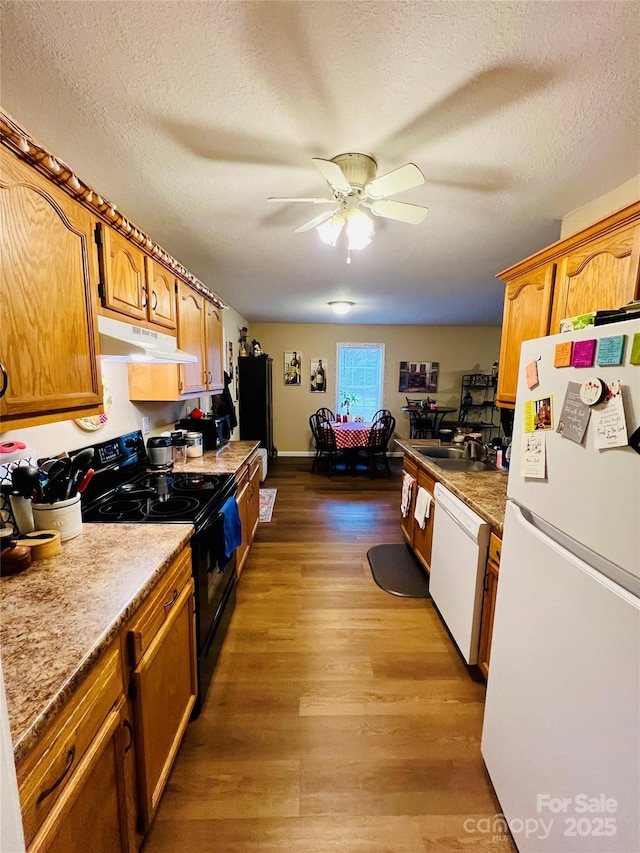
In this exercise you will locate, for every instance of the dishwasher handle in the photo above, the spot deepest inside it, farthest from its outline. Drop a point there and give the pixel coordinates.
(467, 520)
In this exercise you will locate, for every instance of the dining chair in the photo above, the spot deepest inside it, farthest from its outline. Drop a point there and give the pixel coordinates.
(327, 414)
(379, 414)
(378, 442)
(325, 442)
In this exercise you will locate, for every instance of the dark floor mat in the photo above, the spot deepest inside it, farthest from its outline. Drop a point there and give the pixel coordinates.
(396, 570)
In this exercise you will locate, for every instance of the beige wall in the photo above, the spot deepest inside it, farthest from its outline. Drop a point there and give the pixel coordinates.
(458, 349)
(600, 207)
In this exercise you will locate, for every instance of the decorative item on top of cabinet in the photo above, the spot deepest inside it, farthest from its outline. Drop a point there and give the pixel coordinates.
(49, 278)
(199, 333)
(489, 603)
(595, 269)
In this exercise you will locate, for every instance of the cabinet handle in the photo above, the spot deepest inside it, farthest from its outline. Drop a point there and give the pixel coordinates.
(145, 298)
(127, 725)
(170, 603)
(5, 380)
(154, 300)
(210, 377)
(498, 554)
(70, 757)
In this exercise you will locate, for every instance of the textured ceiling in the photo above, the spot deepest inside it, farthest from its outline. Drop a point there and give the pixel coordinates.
(188, 115)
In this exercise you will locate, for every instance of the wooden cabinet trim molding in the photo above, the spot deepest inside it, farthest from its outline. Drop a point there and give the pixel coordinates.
(27, 148)
(628, 215)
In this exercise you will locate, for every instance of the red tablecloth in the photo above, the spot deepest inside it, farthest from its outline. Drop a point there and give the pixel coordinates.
(351, 434)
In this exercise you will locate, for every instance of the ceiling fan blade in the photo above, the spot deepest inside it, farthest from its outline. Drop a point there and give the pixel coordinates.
(317, 220)
(405, 178)
(333, 175)
(400, 210)
(311, 200)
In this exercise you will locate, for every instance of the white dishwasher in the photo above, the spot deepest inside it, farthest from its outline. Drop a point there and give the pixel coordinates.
(458, 561)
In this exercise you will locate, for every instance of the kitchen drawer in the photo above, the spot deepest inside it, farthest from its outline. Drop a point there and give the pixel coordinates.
(46, 772)
(156, 609)
(495, 547)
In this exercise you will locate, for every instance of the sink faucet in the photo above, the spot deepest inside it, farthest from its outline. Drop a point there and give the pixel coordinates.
(475, 449)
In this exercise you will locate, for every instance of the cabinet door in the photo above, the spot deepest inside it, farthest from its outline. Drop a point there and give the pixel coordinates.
(489, 604)
(527, 307)
(215, 357)
(242, 499)
(191, 338)
(253, 514)
(47, 311)
(162, 295)
(407, 522)
(123, 273)
(423, 536)
(165, 690)
(601, 275)
(94, 799)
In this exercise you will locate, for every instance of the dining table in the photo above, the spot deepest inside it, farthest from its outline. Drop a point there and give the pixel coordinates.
(351, 435)
(424, 419)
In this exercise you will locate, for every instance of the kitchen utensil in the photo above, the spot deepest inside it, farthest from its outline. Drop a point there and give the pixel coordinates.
(85, 480)
(26, 481)
(79, 467)
(11, 447)
(56, 485)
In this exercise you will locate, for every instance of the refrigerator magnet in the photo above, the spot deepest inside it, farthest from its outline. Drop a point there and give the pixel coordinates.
(532, 373)
(592, 391)
(634, 440)
(634, 358)
(583, 353)
(562, 354)
(611, 350)
(610, 427)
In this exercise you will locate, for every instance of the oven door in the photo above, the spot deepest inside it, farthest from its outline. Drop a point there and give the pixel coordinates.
(215, 599)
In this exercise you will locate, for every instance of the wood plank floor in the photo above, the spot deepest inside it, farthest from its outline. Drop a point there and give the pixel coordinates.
(340, 718)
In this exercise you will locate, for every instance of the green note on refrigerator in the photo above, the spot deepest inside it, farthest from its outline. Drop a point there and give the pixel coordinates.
(635, 349)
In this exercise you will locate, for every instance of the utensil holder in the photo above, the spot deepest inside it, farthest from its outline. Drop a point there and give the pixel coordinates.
(64, 516)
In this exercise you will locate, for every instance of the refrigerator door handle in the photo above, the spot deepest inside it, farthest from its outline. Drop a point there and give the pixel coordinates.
(612, 576)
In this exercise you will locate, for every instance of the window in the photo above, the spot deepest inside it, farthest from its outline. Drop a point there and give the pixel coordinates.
(360, 371)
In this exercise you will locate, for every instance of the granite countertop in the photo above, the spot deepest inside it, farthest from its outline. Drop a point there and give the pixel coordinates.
(58, 616)
(486, 494)
(226, 460)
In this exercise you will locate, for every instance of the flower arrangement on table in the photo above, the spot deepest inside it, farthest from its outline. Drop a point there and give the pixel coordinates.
(348, 400)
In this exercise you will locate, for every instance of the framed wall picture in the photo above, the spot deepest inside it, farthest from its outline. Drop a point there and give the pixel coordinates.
(318, 374)
(419, 376)
(292, 368)
(230, 359)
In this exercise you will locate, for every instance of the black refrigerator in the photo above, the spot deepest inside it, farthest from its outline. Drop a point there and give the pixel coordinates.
(255, 392)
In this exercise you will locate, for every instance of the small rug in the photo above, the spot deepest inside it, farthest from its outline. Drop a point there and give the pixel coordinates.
(267, 500)
(396, 570)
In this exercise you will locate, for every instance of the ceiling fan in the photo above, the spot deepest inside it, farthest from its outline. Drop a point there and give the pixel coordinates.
(353, 184)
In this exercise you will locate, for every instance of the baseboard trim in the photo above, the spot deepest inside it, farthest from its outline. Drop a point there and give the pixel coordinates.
(311, 453)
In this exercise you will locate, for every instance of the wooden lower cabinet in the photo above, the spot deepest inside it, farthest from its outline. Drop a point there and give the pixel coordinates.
(489, 603)
(248, 498)
(419, 538)
(94, 779)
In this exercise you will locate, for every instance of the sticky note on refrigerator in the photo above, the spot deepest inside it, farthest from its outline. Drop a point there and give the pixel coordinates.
(562, 356)
(532, 374)
(611, 350)
(635, 349)
(583, 353)
(574, 415)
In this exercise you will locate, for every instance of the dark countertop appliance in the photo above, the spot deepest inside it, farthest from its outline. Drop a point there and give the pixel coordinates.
(215, 430)
(125, 488)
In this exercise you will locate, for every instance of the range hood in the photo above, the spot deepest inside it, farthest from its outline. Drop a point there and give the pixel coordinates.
(120, 341)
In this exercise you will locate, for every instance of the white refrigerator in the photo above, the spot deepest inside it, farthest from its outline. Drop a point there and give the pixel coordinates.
(561, 734)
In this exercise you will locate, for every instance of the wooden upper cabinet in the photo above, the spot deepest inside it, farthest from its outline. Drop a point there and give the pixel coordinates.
(527, 309)
(49, 280)
(191, 338)
(215, 355)
(123, 275)
(601, 275)
(162, 295)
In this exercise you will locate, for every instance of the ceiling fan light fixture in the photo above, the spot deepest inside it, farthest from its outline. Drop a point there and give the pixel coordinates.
(341, 306)
(330, 230)
(359, 229)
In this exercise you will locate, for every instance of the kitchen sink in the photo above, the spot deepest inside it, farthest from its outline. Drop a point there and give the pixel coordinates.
(437, 451)
(466, 466)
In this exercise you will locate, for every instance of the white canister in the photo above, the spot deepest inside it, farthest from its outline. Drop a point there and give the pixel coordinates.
(65, 516)
(194, 443)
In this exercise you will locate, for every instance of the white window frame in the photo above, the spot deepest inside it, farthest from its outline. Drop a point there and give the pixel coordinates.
(360, 345)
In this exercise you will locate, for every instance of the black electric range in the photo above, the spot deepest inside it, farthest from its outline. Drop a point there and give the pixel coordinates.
(125, 488)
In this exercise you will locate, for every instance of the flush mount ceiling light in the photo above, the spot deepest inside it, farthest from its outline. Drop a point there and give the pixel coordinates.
(353, 184)
(341, 306)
